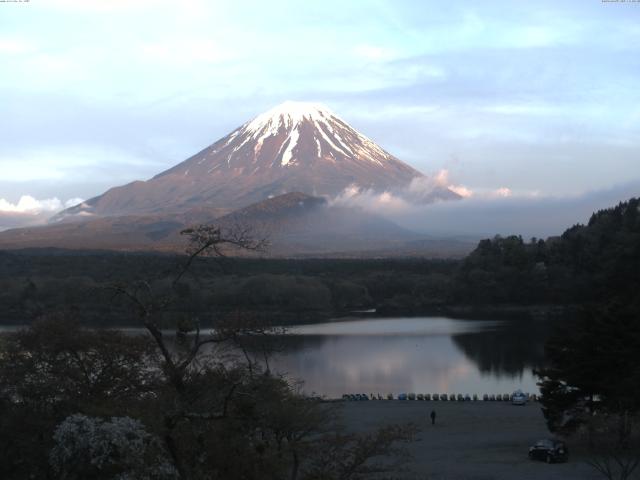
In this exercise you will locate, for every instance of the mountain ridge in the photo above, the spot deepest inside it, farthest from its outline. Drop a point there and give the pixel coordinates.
(297, 225)
(295, 146)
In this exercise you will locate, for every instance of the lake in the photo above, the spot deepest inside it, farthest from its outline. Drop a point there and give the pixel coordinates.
(422, 355)
(418, 354)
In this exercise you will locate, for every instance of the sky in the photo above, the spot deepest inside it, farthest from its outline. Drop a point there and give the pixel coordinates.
(535, 99)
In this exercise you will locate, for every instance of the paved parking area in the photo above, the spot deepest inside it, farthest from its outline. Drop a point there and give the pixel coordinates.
(471, 440)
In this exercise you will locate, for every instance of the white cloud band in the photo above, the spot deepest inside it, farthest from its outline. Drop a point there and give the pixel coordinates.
(30, 205)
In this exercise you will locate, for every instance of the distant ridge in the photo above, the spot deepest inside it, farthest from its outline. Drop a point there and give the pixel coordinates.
(296, 224)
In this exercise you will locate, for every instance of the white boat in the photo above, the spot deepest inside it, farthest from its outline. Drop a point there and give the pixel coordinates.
(518, 398)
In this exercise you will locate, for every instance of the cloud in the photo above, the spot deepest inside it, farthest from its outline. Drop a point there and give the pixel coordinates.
(517, 214)
(461, 190)
(118, 6)
(503, 192)
(29, 211)
(483, 212)
(374, 53)
(185, 51)
(74, 162)
(532, 109)
(421, 191)
(15, 46)
(387, 202)
(30, 205)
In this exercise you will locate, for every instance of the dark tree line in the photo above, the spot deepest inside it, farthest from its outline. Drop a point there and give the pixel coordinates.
(587, 263)
(591, 384)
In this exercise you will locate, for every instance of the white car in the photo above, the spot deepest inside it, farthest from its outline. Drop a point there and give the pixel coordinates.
(518, 398)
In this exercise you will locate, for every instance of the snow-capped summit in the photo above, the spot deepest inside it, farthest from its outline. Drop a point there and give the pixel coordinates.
(292, 118)
(291, 113)
(295, 146)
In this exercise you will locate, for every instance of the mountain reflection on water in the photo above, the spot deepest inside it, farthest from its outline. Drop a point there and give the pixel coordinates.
(423, 355)
(507, 351)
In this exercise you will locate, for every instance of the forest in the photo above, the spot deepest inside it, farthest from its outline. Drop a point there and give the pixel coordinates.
(587, 263)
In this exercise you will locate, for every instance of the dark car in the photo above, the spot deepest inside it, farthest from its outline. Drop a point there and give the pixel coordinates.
(550, 451)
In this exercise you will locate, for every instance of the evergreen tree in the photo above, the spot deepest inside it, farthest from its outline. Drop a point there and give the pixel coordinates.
(593, 368)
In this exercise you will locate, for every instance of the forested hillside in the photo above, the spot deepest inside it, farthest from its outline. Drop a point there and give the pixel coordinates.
(587, 263)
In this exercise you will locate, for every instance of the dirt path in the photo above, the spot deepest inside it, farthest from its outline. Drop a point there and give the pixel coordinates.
(471, 440)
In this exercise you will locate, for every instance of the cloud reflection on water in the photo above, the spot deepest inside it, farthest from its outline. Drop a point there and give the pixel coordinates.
(402, 355)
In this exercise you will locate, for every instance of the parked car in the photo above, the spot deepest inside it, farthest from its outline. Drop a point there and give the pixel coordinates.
(411, 396)
(427, 396)
(389, 396)
(435, 397)
(444, 397)
(402, 396)
(420, 396)
(518, 398)
(485, 397)
(549, 450)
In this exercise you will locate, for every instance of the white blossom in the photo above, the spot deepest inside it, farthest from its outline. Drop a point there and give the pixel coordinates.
(87, 444)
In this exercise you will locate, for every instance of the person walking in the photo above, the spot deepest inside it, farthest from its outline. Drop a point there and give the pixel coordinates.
(433, 417)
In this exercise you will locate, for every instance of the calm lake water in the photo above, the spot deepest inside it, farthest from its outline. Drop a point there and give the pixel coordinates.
(421, 355)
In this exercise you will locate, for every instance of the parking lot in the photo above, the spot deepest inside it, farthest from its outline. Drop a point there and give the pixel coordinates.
(470, 440)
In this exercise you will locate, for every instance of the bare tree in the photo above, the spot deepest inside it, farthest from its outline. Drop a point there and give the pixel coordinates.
(179, 364)
(615, 465)
(213, 240)
(216, 410)
(203, 240)
(614, 449)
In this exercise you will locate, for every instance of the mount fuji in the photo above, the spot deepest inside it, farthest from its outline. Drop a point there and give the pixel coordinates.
(294, 147)
(276, 174)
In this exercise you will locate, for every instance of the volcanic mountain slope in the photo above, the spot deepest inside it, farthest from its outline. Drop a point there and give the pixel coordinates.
(299, 224)
(295, 147)
(295, 224)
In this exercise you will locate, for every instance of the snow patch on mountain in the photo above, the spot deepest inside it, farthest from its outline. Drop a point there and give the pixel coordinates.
(292, 142)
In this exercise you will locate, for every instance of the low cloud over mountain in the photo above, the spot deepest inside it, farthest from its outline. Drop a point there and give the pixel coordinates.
(30, 211)
(487, 212)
